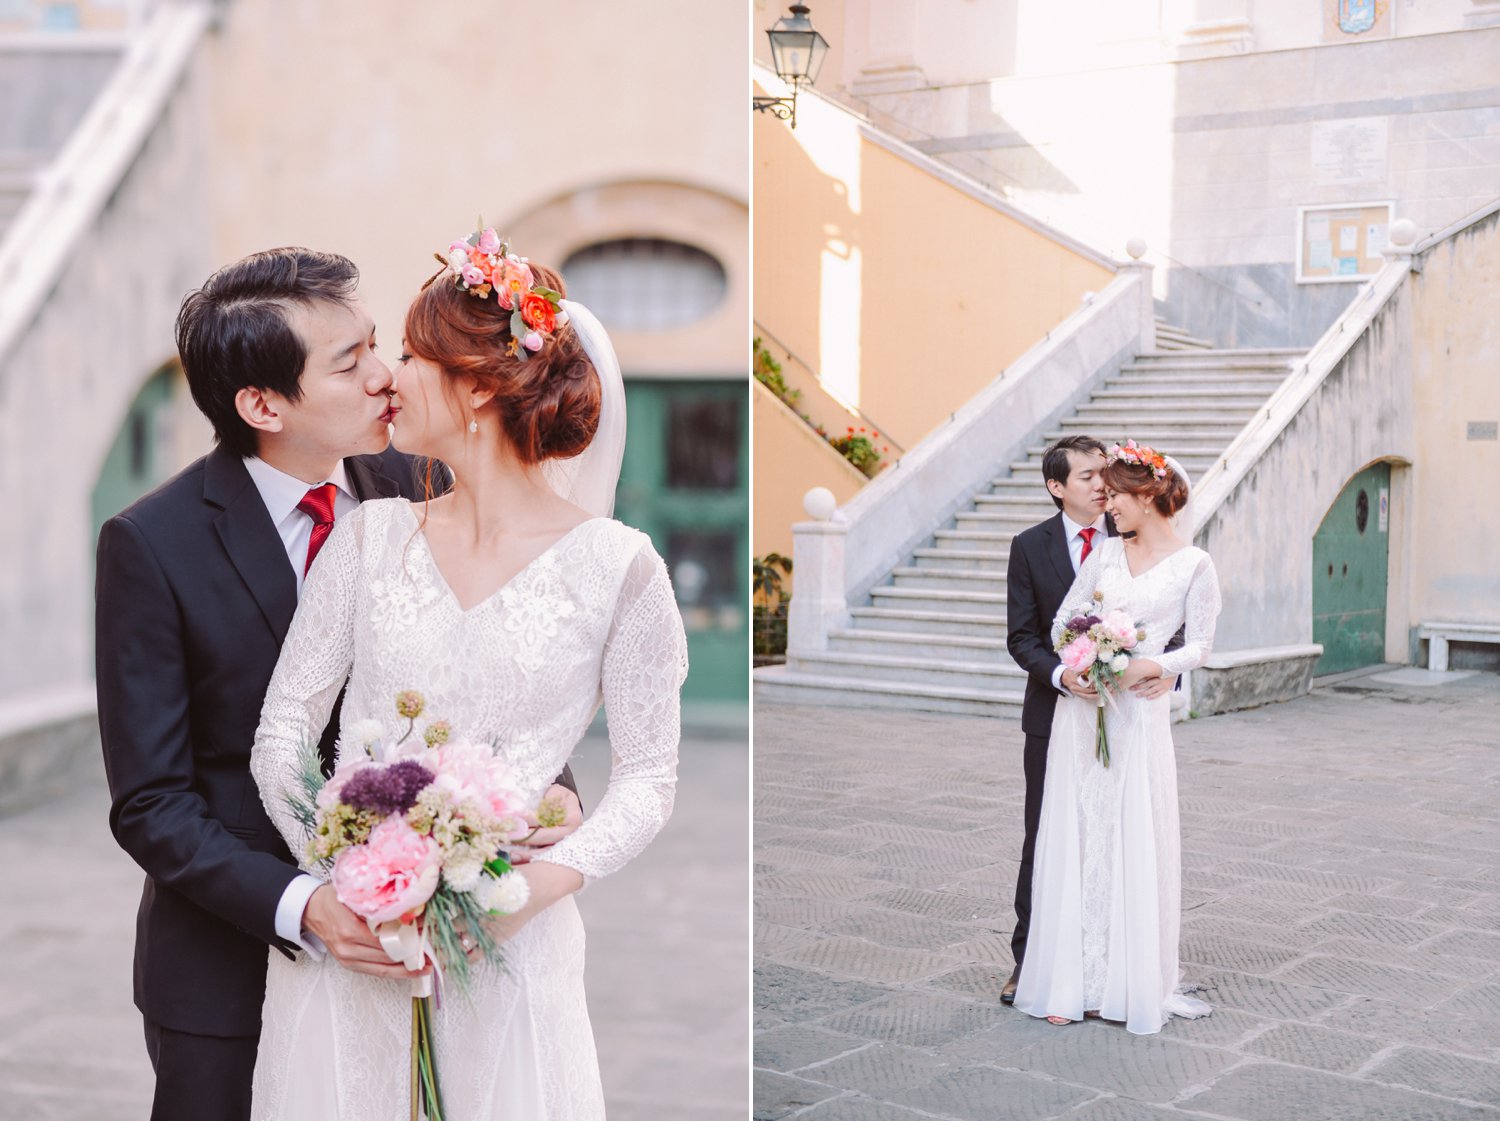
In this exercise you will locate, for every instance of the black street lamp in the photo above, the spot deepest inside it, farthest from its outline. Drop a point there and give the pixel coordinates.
(797, 52)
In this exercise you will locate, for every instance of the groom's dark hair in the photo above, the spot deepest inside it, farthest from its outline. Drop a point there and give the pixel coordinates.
(234, 332)
(1055, 463)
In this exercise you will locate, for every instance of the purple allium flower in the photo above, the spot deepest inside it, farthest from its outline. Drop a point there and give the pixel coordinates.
(387, 790)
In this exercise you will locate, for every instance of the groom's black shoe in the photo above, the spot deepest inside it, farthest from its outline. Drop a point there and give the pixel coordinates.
(1008, 993)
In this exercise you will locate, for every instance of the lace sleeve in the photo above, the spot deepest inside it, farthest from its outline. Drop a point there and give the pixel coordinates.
(645, 661)
(1082, 590)
(314, 664)
(1201, 610)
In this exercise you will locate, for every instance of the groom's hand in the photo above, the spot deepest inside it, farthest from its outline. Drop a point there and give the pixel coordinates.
(1149, 688)
(348, 937)
(1081, 687)
(520, 852)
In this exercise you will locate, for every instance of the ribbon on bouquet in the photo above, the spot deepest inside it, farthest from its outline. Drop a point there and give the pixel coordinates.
(405, 944)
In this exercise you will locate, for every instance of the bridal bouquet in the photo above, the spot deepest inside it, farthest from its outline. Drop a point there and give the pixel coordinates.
(1099, 648)
(413, 835)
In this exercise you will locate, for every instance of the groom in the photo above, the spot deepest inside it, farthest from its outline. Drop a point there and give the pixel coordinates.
(196, 586)
(1043, 561)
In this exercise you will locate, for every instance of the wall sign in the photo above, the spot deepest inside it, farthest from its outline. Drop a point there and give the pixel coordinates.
(1341, 243)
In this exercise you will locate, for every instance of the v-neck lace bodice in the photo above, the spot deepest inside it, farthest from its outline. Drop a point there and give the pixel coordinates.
(593, 617)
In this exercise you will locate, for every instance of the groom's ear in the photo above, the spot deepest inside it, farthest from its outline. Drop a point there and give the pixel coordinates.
(257, 408)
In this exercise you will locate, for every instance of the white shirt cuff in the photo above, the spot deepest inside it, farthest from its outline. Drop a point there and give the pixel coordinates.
(1057, 681)
(289, 915)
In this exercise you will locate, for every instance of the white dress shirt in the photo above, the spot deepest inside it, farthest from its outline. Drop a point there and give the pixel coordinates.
(1075, 551)
(281, 493)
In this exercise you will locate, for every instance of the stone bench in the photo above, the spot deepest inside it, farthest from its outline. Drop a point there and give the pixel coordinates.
(1439, 635)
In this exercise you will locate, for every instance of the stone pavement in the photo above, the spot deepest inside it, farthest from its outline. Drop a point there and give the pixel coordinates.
(1341, 890)
(667, 967)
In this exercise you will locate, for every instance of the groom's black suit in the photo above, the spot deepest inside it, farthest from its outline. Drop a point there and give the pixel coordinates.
(194, 596)
(193, 599)
(1037, 577)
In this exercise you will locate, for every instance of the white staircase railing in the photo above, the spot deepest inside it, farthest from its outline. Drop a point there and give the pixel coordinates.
(840, 558)
(41, 241)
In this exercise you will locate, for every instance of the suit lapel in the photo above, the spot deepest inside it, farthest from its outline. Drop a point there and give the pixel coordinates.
(250, 539)
(1057, 550)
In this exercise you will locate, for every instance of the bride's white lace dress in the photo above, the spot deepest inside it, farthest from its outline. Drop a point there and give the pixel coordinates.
(1107, 879)
(524, 669)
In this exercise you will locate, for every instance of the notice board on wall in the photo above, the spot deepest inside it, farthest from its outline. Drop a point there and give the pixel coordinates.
(1340, 244)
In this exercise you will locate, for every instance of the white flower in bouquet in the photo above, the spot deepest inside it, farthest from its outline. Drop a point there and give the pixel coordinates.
(1119, 663)
(505, 895)
(462, 873)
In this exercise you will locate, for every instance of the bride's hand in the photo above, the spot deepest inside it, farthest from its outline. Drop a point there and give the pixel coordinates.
(549, 883)
(1139, 669)
(522, 851)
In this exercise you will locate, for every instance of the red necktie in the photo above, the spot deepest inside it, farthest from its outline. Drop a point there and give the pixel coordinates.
(317, 504)
(1086, 534)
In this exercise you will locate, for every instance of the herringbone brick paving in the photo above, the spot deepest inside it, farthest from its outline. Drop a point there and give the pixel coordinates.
(1342, 913)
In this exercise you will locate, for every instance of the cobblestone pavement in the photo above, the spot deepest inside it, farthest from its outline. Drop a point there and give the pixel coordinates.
(667, 967)
(1341, 890)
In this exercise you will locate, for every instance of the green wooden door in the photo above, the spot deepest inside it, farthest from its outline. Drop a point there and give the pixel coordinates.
(137, 460)
(685, 481)
(1351, 554)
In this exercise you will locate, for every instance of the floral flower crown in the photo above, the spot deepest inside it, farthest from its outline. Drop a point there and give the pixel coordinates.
(1141, 456)
(483, 264)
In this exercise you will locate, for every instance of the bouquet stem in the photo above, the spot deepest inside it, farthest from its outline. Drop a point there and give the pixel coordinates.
(424, 1088)
(1101, 739)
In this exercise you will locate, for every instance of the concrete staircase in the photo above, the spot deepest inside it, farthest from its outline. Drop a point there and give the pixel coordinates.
(933, 636)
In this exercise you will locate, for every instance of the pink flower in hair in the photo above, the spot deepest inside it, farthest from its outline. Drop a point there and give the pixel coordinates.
(473, 276)
(532, 341)
(489, 242)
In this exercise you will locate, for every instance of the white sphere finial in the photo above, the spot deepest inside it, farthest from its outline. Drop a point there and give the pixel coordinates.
(1136, 247)
(820, 504)
(1403, 232)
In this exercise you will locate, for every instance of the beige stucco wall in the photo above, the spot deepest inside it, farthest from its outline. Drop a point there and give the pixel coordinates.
(905, 293)
(790, 459)
(1455, 323)
(382, 129)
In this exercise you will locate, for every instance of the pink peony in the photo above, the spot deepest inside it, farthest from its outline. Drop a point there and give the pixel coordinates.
(489, 242)
(532, 341)
(472, 772)
(1079, 654)
(473, 276)
(1121, 628)
(393, 873)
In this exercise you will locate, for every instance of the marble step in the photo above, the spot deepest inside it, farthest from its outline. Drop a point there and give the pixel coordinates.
(945, 621)
(919, 644)
(910, 670)
(940, 557)
(784, 685)
(1149, 408)
(1025, 498)
(949, 579)
(1128, 395)
(965, 602)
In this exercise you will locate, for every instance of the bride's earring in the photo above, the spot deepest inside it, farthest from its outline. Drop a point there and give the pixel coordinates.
(473, 423)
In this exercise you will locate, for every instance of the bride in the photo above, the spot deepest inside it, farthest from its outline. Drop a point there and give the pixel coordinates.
(514, 603)
(1107, 878)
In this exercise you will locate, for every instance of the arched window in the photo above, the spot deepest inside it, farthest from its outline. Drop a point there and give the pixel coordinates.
(645, 283)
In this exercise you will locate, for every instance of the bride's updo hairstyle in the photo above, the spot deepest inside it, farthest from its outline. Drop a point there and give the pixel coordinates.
(1168, 492)
(548, 402)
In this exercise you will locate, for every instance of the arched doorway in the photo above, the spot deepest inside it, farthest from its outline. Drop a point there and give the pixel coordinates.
(141, 457)
(1351, 558)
